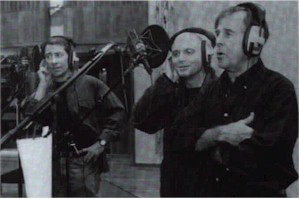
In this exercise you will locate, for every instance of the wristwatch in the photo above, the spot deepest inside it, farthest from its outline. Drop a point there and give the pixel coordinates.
(102, 143)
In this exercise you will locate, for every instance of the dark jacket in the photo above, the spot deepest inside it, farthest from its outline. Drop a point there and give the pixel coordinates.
(259, 166)
(157, 109)
(105, 122)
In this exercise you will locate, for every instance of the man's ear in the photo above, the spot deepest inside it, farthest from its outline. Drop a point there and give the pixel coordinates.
(169, 57)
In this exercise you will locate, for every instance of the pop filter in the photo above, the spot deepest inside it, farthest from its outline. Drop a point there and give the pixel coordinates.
(156, 40)
(151, 48)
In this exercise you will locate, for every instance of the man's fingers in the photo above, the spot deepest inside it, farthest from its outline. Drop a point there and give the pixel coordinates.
(84, 150)
(248, 119)
(171, 74)
(171, 71)
(87, 157)
(43, 64)
(44, 71)
(247, 132)
(176, 74)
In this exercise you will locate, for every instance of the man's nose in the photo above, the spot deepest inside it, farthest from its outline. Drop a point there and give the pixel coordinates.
(220, 40)
(52, 60)
(181, 57)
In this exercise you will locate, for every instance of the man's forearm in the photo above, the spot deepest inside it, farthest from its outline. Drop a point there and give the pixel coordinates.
(40, 92)
(152, 109)
(208, 139)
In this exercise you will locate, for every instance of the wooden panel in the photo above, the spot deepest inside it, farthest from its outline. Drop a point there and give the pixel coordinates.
(9, 29)
(24, 23)
(68, 22)
(27, 31)
(100, 22)
(15, 6)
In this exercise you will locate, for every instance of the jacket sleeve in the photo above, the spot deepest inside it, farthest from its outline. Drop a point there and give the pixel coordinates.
(188, 126)
(45, 117)
(113, 114)
(152, 111)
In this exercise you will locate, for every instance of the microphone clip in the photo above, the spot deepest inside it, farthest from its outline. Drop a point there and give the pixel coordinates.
(138, 50)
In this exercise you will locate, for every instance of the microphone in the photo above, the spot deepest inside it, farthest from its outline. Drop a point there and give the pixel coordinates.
(138, 49)
(151, 48)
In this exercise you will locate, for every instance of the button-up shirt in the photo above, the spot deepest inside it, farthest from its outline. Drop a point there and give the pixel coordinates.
(266, 158)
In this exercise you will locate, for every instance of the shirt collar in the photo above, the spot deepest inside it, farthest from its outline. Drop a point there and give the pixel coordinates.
(247, 78)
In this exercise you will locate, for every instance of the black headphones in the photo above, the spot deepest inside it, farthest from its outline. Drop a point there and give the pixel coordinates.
(67, 42)
(257, 32)
(206, 58)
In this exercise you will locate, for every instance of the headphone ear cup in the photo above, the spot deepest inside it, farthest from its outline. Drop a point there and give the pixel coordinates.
(71, 59)
(42, 47)
(204, 53)
(253, 40)
(256, 40)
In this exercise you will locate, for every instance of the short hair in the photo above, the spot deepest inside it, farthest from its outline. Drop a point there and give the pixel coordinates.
(248, 20)
(66, 42)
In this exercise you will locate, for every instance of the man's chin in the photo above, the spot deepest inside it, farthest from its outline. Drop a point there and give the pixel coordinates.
(56, 75)
(222, 65)
(183, 74)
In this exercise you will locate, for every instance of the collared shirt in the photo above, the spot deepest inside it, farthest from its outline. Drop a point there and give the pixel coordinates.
(266, 158)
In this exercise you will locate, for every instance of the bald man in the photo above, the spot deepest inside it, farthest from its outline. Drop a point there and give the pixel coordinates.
(188, 71)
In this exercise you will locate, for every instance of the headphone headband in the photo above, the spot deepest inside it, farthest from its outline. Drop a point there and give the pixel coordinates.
(201, 31)
(258, 13)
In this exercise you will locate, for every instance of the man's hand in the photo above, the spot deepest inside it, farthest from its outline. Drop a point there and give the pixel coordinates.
(45, 78)
(233, 133)
(171, 72)
(43, 73)
(93, 152)
(236, 132)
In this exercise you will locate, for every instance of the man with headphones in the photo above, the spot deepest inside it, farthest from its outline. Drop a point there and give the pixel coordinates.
(83, 146)
(188, 70)
(245, 124)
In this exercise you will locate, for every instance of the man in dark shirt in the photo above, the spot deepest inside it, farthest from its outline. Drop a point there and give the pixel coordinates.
(160, 105)
(245, 125)
(102, 126)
